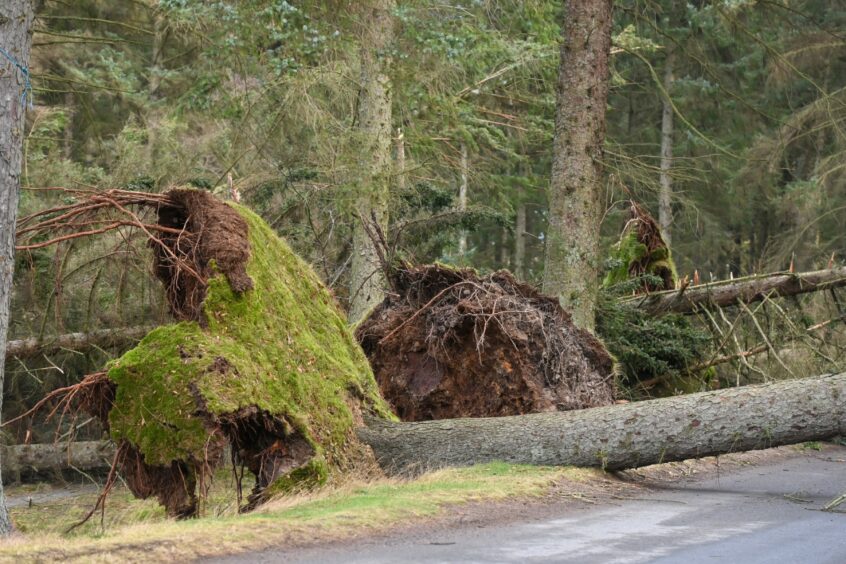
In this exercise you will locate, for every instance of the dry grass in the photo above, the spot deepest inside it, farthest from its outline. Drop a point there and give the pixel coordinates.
(138, 530)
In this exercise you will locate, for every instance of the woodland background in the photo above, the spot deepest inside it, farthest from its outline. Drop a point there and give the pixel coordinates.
(261, 97)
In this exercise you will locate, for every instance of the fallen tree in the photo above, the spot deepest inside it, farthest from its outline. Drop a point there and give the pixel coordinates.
(689, 299)
(623, 436)
(103, 338)
(615, 437)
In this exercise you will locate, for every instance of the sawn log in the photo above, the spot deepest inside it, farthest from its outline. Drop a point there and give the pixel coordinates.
(623, 436)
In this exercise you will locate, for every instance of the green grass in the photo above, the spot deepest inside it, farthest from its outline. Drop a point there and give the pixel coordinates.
(138, 530)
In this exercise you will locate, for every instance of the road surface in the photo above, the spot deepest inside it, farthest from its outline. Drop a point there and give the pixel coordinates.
(760, 514)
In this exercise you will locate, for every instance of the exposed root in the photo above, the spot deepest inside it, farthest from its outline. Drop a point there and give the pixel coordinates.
(451, 343)
(194, 234)
(90, 384)
(155, 397)
(642, 254)
(120, 453)
(267, 446)
(206, 234)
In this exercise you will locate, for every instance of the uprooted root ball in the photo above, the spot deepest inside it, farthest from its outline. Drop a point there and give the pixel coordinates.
(450, 343)
(261, 361)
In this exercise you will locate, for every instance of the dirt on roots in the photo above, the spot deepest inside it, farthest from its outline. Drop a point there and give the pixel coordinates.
(212, 238)
(451, 343)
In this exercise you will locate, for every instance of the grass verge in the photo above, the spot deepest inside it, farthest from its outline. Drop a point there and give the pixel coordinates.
(138, 531)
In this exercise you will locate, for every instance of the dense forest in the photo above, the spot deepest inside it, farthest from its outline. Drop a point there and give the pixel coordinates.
(723, 120)
(417, 132)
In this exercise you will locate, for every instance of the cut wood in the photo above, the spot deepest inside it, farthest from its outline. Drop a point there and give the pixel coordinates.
(745, 290)
(624, 436)
(27, 348)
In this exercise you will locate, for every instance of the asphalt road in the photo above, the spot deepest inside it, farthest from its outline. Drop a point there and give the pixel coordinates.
(760, 514)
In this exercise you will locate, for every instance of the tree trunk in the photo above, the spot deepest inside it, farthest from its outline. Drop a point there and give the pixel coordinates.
(27, 348)
(624, 436)
(83, 455)
(520, 243)
(462, 198)
(747, 290)
(367, 282)
(15, 39)
(665, 193)
(572, 246)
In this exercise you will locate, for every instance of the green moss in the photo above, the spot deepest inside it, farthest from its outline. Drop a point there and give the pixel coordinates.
(314, 473)
(630, 251)
(287, 350)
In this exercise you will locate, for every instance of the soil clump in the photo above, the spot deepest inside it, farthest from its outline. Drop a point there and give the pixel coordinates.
(450, 343)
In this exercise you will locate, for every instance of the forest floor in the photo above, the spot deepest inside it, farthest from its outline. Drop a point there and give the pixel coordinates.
(134, 530)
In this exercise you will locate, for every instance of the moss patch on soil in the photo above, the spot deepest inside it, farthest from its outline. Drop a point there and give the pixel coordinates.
(641, 254)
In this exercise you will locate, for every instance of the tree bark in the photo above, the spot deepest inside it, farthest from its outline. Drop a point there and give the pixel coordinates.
(83, 455)
(747, 290)
(15, 39)
(367, 282)
(572, 245)
(624, 436)
(27, 348)
(665, 193)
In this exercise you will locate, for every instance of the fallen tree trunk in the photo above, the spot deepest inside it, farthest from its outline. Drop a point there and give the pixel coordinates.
(83, 455)
(27, 348)
(624, 436)
(747, 290)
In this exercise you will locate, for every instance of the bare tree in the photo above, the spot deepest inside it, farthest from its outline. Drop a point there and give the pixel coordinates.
(15, 41)
(572, 245)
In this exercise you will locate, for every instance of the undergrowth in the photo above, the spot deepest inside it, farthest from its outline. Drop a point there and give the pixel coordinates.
(648, 346)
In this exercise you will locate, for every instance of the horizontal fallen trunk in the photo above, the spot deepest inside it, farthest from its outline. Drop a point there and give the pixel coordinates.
(746, 290)
(83, 455)
(624, 436)
(27, 348)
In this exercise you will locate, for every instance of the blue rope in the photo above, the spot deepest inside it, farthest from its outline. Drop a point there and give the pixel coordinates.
(25, 72)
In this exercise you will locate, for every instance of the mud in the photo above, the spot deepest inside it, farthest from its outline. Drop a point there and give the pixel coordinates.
(214, 238)
(449, 343)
